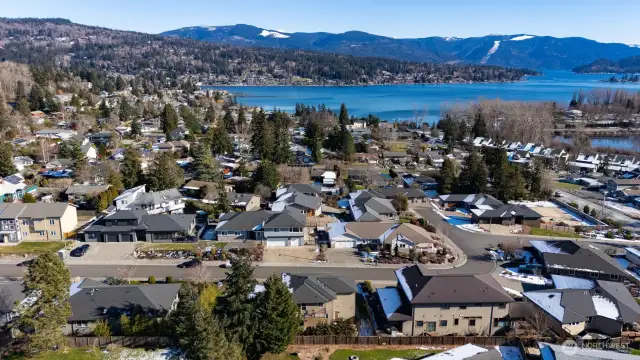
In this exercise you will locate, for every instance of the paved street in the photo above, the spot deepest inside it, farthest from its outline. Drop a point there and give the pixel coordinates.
(596, 203)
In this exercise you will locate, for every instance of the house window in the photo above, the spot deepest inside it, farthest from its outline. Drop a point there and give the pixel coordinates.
(463, 307)
(502, 306)
(177, 202)
(445, 306)
(52, 222)
(443, 323)
(276, 230)
(41, 233)
(594, 274)
(614, 277)
(25, 222)
(53, 233)
(419, 323)
(572, 272)
(431, 326)
(92, 236)
(472, 322)
(455, 322)
(403, 246)
(25, 233)
(82, 324)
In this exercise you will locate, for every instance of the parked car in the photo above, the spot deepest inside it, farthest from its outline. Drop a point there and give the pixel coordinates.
(557, 194)
(26, 262)
(190, 264)
(80, 250)
(226, 264)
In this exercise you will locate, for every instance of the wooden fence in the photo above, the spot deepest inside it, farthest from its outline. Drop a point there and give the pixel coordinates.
(125, 341)
(402, 340)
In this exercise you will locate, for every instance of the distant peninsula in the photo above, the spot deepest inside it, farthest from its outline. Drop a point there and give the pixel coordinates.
(629, 65)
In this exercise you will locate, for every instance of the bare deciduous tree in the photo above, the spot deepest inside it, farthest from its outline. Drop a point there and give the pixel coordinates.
(540, 322)
(127, 272)
(199, 274)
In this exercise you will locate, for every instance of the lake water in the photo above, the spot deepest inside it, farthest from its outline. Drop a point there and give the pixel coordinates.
(391, 102)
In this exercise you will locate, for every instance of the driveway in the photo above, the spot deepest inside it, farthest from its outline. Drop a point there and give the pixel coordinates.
(105, 252)
(595, 201)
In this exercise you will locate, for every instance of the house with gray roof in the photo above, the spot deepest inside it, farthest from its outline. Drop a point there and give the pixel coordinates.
(80, 192)
(371, 206)
(40, 221)
(468, 201)
(307, 189)
(137, 225)
(507, 214)
(412, 194)
(299, 202)
(567, 257)
(92, 301)
(422, 303)
(11, 295)
(155, 202)
(271, 228)
(582, 305)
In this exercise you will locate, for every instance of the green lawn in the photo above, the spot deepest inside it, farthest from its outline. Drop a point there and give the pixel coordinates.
(283, 356)
(635, 352)
(545, 232)
(68, 354)
(381, 354)
(566, 185)
(182, 246)
(34, 247)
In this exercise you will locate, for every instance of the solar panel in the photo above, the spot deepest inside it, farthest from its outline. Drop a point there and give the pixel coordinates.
(13, 179)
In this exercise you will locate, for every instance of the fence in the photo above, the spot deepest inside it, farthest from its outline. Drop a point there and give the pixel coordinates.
(402, 340)
(126, 341)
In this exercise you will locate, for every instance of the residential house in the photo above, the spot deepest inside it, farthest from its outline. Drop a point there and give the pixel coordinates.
(434, 157)
(396, 156)
(577, 305)
(482, 142)
(13, 188)
(92, 301)
(61, 134)
(587, 163)
(566, 257)
(21, 162)
(413, 195)
(179, 133)
(370, 158)
(374, 235)
(420, 181)
(102, 137)
(322, 297)
(298, 202)
(521, 157)
(371, 177)
(444, 304)
(12, 295)
(468, 201)
(559, 352)
(41, 221)
(89, 151)
(137, 225)
(310, 190)
(82, 192)
(155, 202)
(622, 184)
(173, 146)
(267, 227)
(370, 206)
(507, 214)
(244, 201)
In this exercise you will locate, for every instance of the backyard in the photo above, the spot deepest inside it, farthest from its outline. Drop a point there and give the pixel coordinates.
(379, 354)
(546, 232)
(566, 185)
(31, 247)
(186, 246)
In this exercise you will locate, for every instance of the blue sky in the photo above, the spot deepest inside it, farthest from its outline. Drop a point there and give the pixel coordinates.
(607, 21)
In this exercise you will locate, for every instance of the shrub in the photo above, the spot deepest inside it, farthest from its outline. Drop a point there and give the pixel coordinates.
(115, 281)
(578, 228)
(152, 279)
(609, 235)
(586, 209)
(430, 227)
(628, 235)
(573, 205)
(169, 279)
(593, 213)
(367, 286)
(102, 328)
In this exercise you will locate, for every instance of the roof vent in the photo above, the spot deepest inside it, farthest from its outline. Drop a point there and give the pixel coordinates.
(551, 296)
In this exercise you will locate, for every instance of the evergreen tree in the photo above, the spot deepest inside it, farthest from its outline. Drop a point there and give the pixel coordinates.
(28, 198)
(4, 112)
(447, 177)
(277, 317)
(316, 152)
(536, 180)
(120, 83)
(24, 107)
(223, 205)
(80, 164)
(125, 110)
(235, 308)
(169, 119)
(500, 172)
(36, 98)
(20, 91)
(136, 128)
(47, 277)
(344, 115)
(219, 141)
(242, 120)
(266, 174)
(450, 129)
(75, 101)
(516, 184)
(198, 334)
(348, 148)
(165, 173)
(104, 109)
(281, 149)
(473, 175)
(210, 115)
(261, 142)
(6, 160)
(203, 164)
(131, 170)
(190, 119)
(229, 124)
(242, 168)
(479, 126)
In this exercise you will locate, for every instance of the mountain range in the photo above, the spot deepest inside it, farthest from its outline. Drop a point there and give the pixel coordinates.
(519, 50)
(630, 65)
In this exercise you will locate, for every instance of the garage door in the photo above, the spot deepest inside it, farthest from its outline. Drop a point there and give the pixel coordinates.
(295, 242)
(274, 243)
(126, 238)
(342, 244)
(112, 237)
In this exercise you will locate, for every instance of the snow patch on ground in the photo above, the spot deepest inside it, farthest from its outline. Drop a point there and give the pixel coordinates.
(512, 273)
(522, 37)
(545, 204)
(470, 227)
(451, 38)
(494, 48)
(141, 354)
(624, 208)
(210, 28)
(273, 34)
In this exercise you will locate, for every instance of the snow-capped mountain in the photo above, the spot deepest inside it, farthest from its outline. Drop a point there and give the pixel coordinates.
(518, 50)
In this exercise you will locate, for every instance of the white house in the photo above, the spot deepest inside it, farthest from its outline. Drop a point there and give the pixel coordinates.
(20, 162)
(329, 178)
(159, 202)
(89, 151)
(61, 134)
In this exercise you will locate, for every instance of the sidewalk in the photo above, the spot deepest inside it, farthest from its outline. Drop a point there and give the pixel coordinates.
(462, 257)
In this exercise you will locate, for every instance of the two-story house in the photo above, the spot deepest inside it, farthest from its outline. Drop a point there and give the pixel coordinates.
(158, 202)
(295, 201)
(444, 304)
(137, 225)
(268, 227)
(41, 221)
